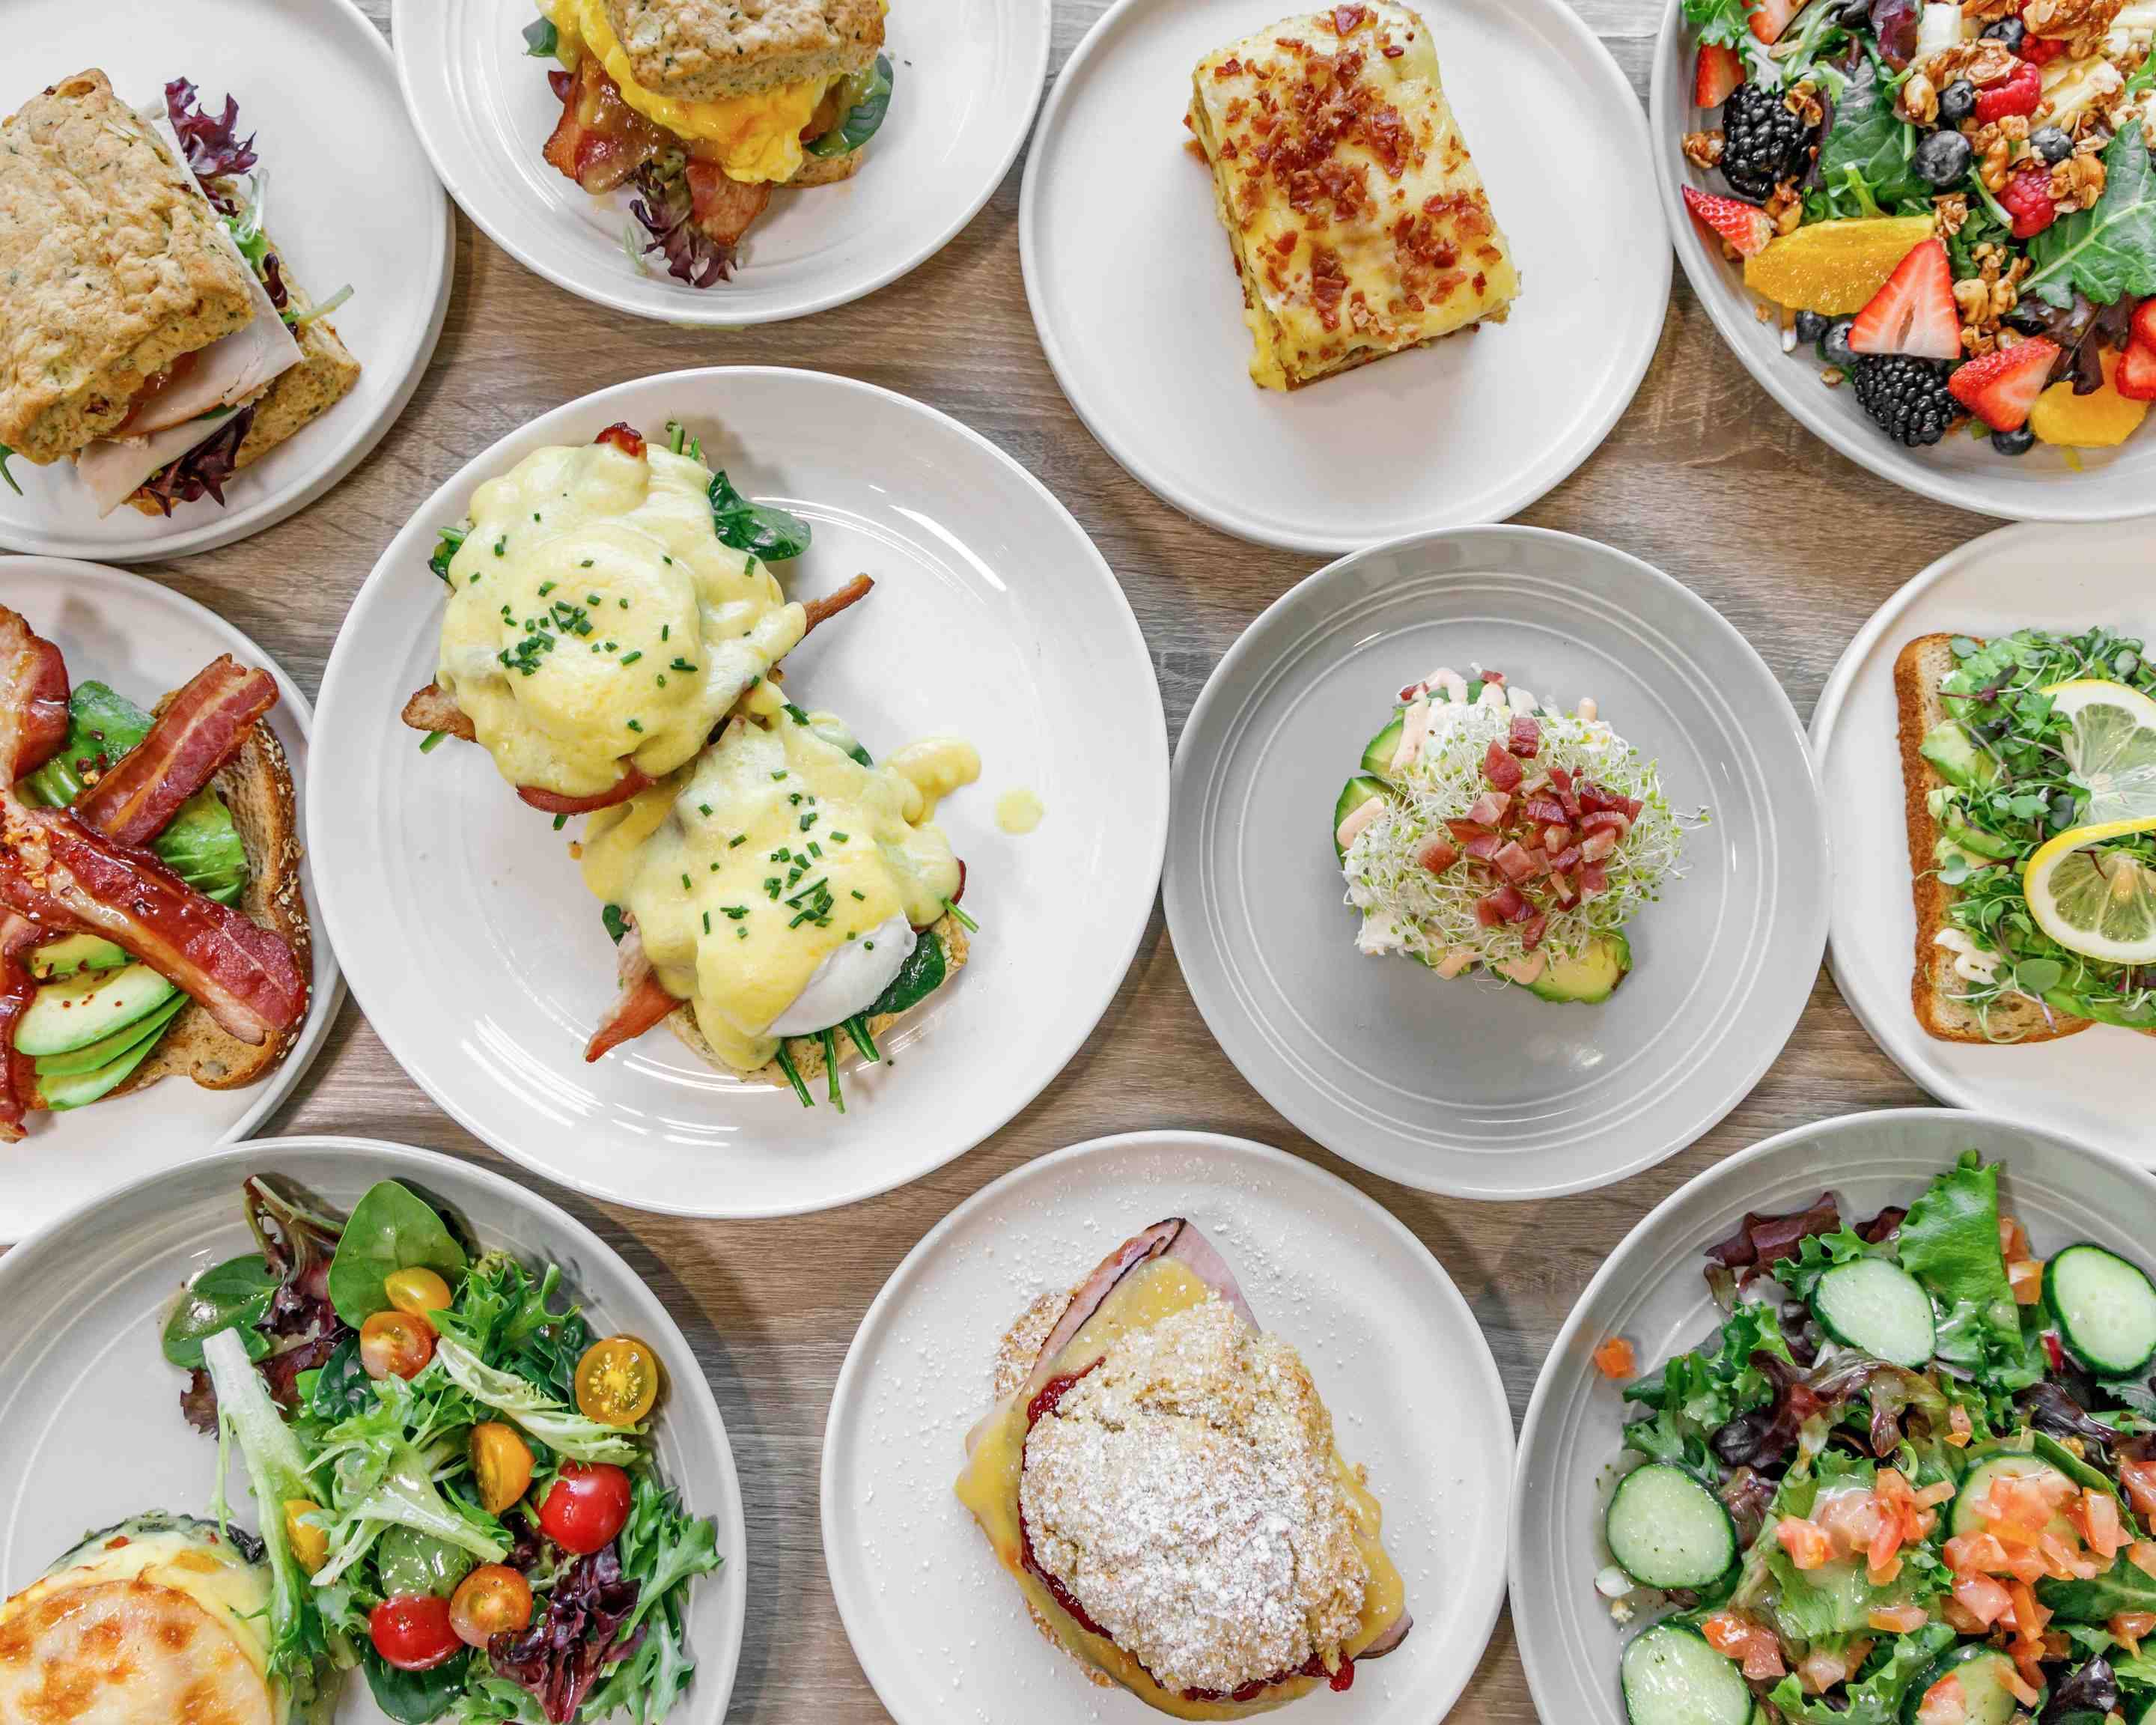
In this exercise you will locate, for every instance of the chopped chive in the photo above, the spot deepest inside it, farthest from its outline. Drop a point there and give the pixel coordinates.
(627, 659)
(735, 843)
(561, 821)
(838, 838)
(637, 726)
(961, 918)
(707, 922)
(427, 742)
(705, 808)
(831, 1069)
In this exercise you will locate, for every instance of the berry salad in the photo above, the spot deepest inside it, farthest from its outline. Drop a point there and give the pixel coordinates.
(1950, 208)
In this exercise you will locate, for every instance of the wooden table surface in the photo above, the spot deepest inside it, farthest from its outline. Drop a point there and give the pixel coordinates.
(1704, 477)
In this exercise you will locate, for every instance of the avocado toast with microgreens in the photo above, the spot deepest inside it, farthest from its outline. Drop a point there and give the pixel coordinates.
(2029, 768)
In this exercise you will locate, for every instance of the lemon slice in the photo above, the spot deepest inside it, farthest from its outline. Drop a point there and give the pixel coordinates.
(2112, 747)
(2102, 905)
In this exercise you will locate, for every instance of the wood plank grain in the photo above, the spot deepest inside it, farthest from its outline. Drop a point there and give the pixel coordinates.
(1705, 477)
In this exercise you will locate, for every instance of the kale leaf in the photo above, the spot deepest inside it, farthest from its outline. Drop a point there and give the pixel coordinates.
(2109, 252)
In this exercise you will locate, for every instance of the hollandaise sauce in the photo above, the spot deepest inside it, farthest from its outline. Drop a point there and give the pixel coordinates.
(777, 882)
(596, 620)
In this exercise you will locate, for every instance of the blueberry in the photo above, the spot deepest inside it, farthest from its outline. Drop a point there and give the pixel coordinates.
(1943, 158)
(1957, 102)
(2009, 30)
(2050, 143)
(1811, 327)
(1834, 346)
(2014, 443)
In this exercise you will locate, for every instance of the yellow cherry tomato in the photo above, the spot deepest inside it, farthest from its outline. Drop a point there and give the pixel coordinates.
(492, 1600)
(416, 1290)
(310, 1544)
(395, 1344)
(501, 1463)
(616, 1381)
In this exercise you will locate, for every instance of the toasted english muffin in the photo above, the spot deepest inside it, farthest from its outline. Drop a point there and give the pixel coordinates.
(702, 50)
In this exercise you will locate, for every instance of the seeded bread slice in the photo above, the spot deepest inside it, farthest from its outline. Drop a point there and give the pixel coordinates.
(699, 51)
(827, 170)
(1920, 670)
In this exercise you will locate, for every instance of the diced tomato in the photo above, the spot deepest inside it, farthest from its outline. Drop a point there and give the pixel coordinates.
(1944, 1703)
(1617, 1360)
(1499, 768)
(2139, 1479)
(1983, 1598)
(2141, 1554)
(2026, 1277)
(1933, 1495)
(1975, 1554)
(1807, 1543)
(2029, 1617)
(2101, 1525)
(1898, 1619)
(2013, 1243)
(2054, 1352)
(2133, 1628)
(1736, 1636)
(1821, 1670)
(2018, 1685)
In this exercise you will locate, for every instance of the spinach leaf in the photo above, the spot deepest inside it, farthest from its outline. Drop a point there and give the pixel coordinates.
(1875, 1694)
(416, 1697)
(756, 528)
(541, 38)
(1869, 146)
(389, 1229)
(1949, 1242)
(920, 976)
(234, 1295)
(2124, 1588)
(341, 1388)
(867, 96)
(616, 922)
(2109, 252)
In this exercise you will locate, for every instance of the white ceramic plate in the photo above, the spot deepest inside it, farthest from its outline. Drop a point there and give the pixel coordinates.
(939, 1627)
(1478, 1088)
(90, 1428)
(967, 79)
(1133, 287)
(1963, 470)
(2094, 1083)
(145, 641)
(1652, 1291)
(350, 199)
(480, 959)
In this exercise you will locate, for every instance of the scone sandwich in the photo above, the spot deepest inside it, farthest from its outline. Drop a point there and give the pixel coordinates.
(1359, 223)
(2029, 773)
(1159, 1476)
(706, 106)
(152, 922)
(151, 332)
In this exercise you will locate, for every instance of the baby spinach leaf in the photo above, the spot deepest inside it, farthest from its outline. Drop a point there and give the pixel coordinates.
(231, 1295)
(1868, 146)
(415, 1698)
(2109, 252)
(541, 38)
(389, 1229)
(920, 976)
(867, 96)
(341, 1388)
(756, 528)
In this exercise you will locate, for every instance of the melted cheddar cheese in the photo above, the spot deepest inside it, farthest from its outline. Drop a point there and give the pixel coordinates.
(755, 137)
(989, 1488)
(1358, 223)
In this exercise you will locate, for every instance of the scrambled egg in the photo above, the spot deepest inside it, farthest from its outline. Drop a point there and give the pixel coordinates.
(758, 135)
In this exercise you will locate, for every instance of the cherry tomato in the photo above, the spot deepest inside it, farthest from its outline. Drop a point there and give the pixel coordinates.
(310, 1544)
(616, 1381)
(492, 1598)
(395, 1344)
(416, 1290)
(585, 1507)
(412, 1631)
(501, 1463)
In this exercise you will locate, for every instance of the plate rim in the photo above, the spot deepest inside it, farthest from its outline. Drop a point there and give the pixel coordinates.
(327, 1003)
(587, 1238)
(1212, 1144)
(1509, 502)
(1440, 1184)
(229, 528)
(694, 315)
(1792, 1138)
(1807, 405)
(338, 668)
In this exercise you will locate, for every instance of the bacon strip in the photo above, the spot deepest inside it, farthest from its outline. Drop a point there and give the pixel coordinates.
(433, 708)
(824, 609)
(60, 874)
(18, 1075)
(621, 790)
(643, 1003)
(201, 728)
(34, 699)
(599, 141)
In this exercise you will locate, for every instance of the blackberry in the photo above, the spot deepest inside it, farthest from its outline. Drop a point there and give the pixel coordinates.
(1908, 398)
(1763, 143)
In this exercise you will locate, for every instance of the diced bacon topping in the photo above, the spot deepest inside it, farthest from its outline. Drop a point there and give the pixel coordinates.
(1567, 895)
(1546, 809)
(1465, 832)
(1436, 855)
(1505, 904)
(1565, 859)
(1497, 677)
(1593, 879)
(1556, 838)
(1605, 820)
(1484, 847)
(1513, 859)
(1527, 738)
(1531, 931)
(1501, 769)
(1599, 847)
(1490, 807)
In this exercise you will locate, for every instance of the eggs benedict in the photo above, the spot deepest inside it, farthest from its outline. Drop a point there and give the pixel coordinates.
(706, 107)
(785, 892)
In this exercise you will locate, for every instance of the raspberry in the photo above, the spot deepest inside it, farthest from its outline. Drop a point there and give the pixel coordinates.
(2019, 94)
(2039, 50)
(2026, 197)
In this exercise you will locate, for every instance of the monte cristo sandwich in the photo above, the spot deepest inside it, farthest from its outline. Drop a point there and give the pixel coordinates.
(1358, 223)
(1159, 1476)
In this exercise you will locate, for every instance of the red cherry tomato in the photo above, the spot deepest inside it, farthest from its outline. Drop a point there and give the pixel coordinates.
(412, 1631)
(585, 1507)
(395, 1344)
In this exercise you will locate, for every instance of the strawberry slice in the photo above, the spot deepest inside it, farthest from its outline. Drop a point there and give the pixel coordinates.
(1745, 226)
(1914, 313)
(2136, 376)
(1770, 18)
(2144, 324)
(1715, 79)
(2001, 387)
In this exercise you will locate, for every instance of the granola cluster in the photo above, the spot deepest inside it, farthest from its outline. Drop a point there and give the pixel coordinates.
(2081, 25)
(1984, 299)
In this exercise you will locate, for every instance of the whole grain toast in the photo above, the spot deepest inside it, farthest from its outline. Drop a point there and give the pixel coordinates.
(702, 50)
(1920, 669)
(827, 170)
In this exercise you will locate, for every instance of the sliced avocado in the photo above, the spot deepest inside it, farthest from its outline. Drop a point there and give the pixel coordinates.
(89, 1008)
(1588, 977)
(73, 1090)
(72, 953)
(1945, 850)
(1972, 838)
(1358, 791)
(108, 1049)
(1378, 757)
(2102, 1010)
(1959, 762)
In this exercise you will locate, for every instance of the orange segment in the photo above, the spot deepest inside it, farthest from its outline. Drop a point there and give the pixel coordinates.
(2098, 421)
(1835, 268)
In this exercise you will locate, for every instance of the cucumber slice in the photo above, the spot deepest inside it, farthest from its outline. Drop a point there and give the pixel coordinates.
(1672, 1677)
(1967, 1516)
(1665, 1529)
(1358, 791)
(72, 953)
(1378, 757)
(1880, 1308)
(109, 1048)
(74, 1090)
(2146, 1715)
(2105, 1308)
(1985, 1698)
(89, 1008)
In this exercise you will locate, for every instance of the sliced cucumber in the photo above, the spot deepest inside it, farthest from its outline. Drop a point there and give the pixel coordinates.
(109, 1048)
(89, 1008)
(1665, 1529)
(1968, 1517)
(1880, 1308)
(1358, 791)
(2105, 1308)
(74, 1090)
(2146, 1715)
(72, 953)
(1378, 757)
(1672, 1677)
(1984, 1697)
